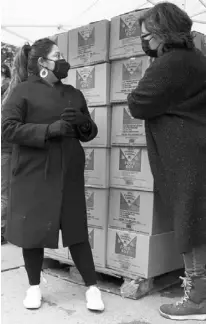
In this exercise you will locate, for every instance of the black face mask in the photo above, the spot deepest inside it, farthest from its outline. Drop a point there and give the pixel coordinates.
(61, 68)
(146, 48)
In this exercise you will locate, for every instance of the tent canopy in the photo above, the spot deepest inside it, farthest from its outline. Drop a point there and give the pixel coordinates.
(24, 22)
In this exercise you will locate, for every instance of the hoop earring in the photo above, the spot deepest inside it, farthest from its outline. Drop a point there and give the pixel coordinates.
(43, 73)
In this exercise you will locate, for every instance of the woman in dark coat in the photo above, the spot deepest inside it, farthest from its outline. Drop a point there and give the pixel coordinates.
(171, 98)
(5, 157)
(45, 120)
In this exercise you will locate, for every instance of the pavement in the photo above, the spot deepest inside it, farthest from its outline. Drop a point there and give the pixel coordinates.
(64, 302)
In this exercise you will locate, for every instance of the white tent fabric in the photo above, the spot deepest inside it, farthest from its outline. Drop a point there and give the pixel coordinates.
(27, 21)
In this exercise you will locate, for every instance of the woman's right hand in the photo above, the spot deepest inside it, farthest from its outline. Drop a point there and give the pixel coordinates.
(58, 128)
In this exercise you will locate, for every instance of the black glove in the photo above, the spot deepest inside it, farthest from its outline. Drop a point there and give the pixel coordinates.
(74, 117)
(58, 128)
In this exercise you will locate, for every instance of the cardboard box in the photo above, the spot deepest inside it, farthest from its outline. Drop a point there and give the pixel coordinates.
(62, 41)
(129, 168)
(93, 81)
(89, 44)
(53, 38)
(142, 255)
(125, 76)
(102, 117)
(126, 130)
(200, 41)
(97, 167)
(98, 242)
(138, 211)
(125, 36)
(61, 252)
(97, 201)
(63, 44)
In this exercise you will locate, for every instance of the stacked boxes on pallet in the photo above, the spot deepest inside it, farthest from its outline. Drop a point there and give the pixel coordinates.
(128, 232)
(140, 239)
(90, 72)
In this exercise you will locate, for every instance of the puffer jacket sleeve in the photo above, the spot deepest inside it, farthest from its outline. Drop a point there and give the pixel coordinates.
(14, 128)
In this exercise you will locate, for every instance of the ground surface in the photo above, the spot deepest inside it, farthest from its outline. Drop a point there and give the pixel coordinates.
(64, 302)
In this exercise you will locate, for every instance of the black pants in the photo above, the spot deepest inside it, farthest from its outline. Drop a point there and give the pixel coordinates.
(81, 254)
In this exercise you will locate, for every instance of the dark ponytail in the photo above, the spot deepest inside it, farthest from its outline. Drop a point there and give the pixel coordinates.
(26, 50)
(21, 62)
(19, 71)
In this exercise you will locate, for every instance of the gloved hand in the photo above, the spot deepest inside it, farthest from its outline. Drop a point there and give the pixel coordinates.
(58, 128)
(74, 117)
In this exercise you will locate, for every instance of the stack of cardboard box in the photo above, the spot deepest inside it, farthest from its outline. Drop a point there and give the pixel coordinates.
(88, 56)
(200, 41)
(128, 232)
(140, 239)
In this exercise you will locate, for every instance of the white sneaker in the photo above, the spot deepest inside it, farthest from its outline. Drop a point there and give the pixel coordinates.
(33, 298)
(94, 299)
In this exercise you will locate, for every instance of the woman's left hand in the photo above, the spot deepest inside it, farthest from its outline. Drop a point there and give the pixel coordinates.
(73, 116)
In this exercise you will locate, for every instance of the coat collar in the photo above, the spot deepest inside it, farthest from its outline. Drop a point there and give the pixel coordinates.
(36, 78)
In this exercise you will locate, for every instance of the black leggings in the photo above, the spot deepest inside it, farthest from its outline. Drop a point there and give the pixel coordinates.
(81, 254)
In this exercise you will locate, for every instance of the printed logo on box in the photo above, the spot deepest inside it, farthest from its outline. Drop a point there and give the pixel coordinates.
(129, 27)
(92, 113)
(129, 208)
(131, 74)
(89, 200)
(132, 70)
(85, 78)
(89, 159)
(131, 125)
(129, 201)
(86, 36)
(91, 238)
(130, 160)
(86, 42)
(126, 246)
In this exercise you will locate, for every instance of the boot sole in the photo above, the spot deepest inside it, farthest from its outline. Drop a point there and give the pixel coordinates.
(32, 308)
(95, 309)
(197, 317)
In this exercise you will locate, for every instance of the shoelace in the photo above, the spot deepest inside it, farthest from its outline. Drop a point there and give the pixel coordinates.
(187, 285)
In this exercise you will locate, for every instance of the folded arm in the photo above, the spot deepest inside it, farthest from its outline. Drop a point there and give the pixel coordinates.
(159, 89)
(88, 130)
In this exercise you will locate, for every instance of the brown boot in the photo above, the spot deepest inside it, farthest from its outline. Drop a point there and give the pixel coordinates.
(193, 304)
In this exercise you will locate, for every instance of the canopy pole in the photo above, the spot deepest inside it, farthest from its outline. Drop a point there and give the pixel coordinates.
(198, 13)
(199, 21)
(35, 26)
(15, 34)
(203, 2)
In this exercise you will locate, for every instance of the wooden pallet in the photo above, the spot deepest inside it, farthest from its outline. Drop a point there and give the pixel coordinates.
(110, 280)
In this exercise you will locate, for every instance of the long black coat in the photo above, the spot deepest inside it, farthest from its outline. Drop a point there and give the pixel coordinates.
(47, 185)
(171, 98)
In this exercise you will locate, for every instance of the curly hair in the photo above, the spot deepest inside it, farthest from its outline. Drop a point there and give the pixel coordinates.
(169, 23)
